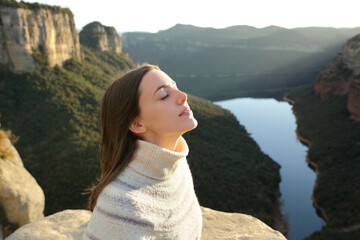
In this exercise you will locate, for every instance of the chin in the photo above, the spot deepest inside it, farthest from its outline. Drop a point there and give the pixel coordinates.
(193, 125)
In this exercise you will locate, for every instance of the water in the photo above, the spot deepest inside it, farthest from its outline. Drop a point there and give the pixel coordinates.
(272, 125)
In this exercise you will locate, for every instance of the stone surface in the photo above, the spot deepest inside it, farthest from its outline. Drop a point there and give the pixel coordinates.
(221, 225)
(353, 103)
(70, 225)
(327, 89)
(21, 197)
(100, 37)
(342, 76)
(22, 30)
(337, 76)
(351, 55)
(333, 79)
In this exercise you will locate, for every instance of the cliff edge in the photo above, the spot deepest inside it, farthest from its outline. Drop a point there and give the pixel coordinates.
(71, 224)
(21, 198)
(342, 76)
(100, 37)
(27, 205)
(26, 28)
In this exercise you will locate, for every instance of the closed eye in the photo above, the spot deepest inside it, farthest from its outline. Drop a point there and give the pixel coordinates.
(164, 97)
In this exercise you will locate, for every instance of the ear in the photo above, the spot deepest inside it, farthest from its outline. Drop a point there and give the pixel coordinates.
(137, 127)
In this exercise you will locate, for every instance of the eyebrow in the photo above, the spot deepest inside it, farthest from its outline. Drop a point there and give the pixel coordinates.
(164, 86)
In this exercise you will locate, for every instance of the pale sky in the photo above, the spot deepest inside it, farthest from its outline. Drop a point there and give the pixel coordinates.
(155, 15)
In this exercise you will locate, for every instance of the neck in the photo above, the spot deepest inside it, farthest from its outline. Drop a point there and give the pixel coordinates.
(169, 142)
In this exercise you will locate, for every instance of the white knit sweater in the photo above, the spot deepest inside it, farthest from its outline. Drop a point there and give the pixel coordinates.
(153, 198)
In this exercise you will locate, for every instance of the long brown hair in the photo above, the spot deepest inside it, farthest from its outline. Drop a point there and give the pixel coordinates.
(119, 108)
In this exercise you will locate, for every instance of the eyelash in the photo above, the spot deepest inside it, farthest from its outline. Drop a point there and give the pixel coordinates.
(163, 98)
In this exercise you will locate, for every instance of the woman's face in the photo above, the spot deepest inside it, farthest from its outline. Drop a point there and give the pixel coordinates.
(164, 111)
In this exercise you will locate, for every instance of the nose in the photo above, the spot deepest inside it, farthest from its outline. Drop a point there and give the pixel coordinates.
(182, 97)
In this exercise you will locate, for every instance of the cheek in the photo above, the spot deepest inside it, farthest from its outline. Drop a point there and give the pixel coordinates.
(157, 113)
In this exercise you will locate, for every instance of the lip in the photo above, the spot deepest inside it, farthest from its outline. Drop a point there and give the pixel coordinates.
(186, 111)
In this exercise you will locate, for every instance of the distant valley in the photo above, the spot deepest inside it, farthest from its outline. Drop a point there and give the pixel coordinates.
(238, 61)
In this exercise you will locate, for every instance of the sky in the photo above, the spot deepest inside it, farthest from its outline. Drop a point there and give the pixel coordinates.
(155, 15)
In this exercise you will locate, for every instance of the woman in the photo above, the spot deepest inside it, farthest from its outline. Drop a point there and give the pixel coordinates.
(145, 190)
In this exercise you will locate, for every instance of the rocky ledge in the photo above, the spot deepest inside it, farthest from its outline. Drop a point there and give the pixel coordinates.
(70, 225)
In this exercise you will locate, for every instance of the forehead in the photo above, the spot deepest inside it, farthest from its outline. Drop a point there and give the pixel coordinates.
(152, 80)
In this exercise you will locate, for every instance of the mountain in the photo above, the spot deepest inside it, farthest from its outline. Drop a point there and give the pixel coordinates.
(328, 121)
(100, 37)
(28, 30)
(55, 113)
(238, 61)
(342, 77)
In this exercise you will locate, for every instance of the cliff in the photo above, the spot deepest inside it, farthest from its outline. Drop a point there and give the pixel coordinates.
(333, 140)
(342, 76)
(100, 37)
(23, 202)
(21, 198)
(71, 224)
(353, 104)
(24, 30)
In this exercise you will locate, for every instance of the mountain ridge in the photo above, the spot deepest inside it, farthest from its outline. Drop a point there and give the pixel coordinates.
(269, 51)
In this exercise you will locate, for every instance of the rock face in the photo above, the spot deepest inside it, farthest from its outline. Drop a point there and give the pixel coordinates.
(351, 55)
(71, 224)
(25, 30)
(353, 103)
(21, 197)
(100, 37)
(68, 224)
(333, 79)
(342, 76)
(221, 225)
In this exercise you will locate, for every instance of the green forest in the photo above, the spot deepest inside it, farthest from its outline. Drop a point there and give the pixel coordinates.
(335, 150)
(55, 114)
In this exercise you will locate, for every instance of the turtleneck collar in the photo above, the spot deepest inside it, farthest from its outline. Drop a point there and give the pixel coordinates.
(156, 162)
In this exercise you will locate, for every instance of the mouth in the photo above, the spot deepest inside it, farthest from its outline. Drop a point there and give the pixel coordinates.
(186, 111)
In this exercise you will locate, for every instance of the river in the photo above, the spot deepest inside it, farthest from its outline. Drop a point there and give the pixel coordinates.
(272, 125)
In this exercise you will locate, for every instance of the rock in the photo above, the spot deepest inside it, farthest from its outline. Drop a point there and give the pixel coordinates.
(342, 76)
(327, 89)
(337, 76)
(353, 104)
(68, 224)
(71, 224)
(221, 225)
(333, 79)
(21, 197)
(100, 37)
(351, 55)
(22, 30)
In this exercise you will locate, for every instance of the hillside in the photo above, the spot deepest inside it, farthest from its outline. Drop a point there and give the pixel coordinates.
(238, 61)
(55, 113)
(334, 150)
(327, 117)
